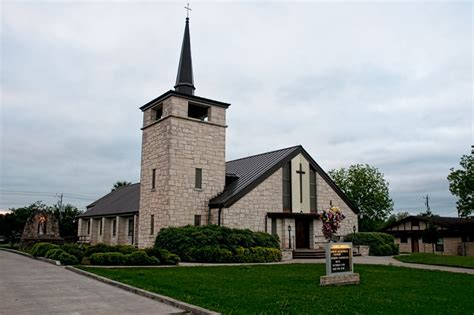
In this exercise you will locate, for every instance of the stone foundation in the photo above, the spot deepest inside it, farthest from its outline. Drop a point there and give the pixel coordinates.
(352, 278)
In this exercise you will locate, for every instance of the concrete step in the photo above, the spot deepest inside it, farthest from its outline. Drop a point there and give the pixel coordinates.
(309, 254)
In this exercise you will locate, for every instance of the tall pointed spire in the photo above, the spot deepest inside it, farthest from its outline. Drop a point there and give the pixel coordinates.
(184, 79)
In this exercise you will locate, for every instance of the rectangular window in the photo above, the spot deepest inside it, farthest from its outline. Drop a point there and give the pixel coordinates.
(274, 226)
(197, 220)
(130, 227)
(152, 224)
(114, 227)
(312, 191)
(198, 112)
(158, 112)
(403, 239)
(287, 187)
(153, 178)
(440, 245)
(198, 179)
(100, 227)
(88, 227)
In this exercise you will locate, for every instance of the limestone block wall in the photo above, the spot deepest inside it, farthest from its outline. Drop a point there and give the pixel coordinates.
(175, 146)
(324, 195)
(251, 210)
(469, 248)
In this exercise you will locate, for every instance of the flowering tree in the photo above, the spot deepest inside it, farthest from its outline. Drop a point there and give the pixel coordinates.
(331, 220)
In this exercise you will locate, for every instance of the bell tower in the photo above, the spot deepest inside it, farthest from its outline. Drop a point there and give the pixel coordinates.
(183, 154)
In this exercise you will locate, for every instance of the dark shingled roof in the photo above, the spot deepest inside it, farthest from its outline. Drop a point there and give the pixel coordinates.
(121, 201)
(448, 222)
(253, 170)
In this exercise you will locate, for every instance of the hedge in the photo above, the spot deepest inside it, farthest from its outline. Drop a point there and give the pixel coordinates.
(182, 240)
(136, 258)
(217, 244)
(40, 249)
(75, 250)
(62, 256)
(164, 256)
(381, 244)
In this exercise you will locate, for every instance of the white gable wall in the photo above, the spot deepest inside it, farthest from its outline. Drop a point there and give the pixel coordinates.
(297, 205)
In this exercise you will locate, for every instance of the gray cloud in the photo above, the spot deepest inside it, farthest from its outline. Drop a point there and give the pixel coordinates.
(386, 84)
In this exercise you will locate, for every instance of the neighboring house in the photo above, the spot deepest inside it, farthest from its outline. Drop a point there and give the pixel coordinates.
(185, 179)
(456, 235)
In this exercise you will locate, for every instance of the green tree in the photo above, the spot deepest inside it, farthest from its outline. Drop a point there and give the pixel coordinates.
(67, 219)
(461, 184)
(366, 187)
(13, 223)
(120, 184)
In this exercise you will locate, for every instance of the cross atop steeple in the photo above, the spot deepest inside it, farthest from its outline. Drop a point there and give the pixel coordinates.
(185, 78)
(188, 8)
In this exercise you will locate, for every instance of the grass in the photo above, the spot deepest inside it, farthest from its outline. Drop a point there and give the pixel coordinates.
(294, 289)
(436, 259)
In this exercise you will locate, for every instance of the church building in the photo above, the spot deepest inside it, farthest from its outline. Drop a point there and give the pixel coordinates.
(185, 179)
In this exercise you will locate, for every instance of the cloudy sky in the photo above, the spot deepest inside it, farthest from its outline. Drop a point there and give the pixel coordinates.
(387, 84)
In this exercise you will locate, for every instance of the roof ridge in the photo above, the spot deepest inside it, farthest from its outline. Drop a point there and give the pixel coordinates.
(251, 156)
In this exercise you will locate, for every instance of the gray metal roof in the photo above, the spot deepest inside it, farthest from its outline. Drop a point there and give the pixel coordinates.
(121, 201)
(250, 171)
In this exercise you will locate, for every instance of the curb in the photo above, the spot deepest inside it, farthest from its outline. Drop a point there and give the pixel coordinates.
(46, 260)
(193, 309)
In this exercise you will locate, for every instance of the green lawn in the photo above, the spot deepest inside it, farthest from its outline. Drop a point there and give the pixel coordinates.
(435, 259)
(294, 289)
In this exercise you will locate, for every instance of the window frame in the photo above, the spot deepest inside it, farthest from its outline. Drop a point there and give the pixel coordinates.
(198, 178)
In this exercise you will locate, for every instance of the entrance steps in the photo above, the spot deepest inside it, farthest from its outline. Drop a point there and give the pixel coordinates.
(309, 254)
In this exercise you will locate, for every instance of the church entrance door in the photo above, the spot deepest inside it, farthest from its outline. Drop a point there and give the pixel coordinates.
(302, 233)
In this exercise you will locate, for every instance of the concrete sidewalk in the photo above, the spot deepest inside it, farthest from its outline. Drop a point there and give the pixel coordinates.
(29, 286)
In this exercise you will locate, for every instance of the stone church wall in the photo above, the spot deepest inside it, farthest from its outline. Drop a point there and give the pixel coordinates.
(251, 210)
(324, 195)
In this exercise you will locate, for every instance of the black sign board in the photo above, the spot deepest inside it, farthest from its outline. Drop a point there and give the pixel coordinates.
(340, 260)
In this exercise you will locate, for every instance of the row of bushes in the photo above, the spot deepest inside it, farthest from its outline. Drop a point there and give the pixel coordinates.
(381, 244)
(72, 254)
(218, 244)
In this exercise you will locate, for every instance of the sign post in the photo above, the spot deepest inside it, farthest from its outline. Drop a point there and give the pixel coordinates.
(339, 265)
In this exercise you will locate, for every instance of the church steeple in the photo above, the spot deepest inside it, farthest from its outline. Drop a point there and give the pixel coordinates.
(184, 79)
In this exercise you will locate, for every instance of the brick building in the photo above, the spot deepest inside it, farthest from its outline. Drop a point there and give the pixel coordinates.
(456, 235)
(185, 179)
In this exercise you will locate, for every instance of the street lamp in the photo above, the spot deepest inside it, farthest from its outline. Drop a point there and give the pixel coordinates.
(289, 235)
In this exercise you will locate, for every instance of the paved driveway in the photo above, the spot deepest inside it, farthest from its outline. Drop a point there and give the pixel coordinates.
(29, 286)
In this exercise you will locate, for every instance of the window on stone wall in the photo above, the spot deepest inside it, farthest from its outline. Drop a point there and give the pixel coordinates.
(153, 178)
(403, 239)
(197, 220)
(157, 112)
(100, 227)
(198, 112)
(274, 226)
(286, 187)
(130, 227)
(88, 227)
(440, 245)
(114, 227)
(198, 179)
(152, 224)
(312, 191)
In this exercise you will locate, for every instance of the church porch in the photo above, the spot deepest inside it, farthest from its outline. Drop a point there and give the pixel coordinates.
(110, 230)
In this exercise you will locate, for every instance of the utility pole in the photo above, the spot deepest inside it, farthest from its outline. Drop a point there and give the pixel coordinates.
(427, 204)
(60, 203)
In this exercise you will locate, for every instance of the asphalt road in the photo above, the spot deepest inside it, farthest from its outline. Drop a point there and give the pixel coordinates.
(29, 286)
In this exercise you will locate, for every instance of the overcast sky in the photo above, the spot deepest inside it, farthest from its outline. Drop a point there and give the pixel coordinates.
(387, 84)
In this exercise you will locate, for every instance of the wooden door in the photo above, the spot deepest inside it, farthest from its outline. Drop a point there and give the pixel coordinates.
(302, 234)
(414, 244)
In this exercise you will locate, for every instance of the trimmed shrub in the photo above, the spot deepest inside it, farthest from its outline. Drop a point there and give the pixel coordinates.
(381, 244)
(140, 258)
(74, 250)
(125, 249)
(164, 256)
(100, 248)
(64, 257)
(40, 249)
(210, 254)
(108, 259)
(257, 254)
(184, 240)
